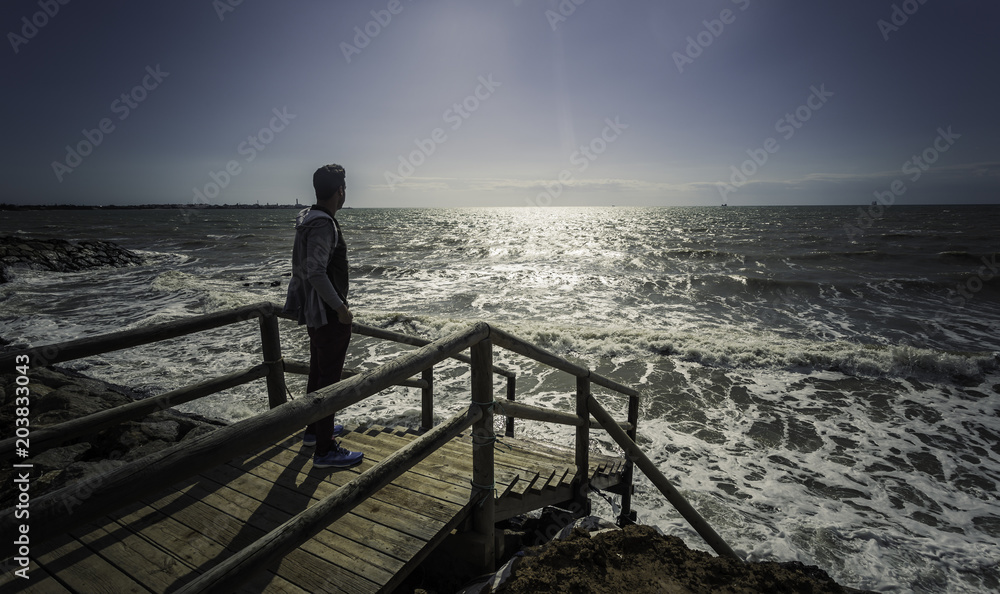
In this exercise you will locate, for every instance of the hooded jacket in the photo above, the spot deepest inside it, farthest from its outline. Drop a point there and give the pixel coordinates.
(319, 269)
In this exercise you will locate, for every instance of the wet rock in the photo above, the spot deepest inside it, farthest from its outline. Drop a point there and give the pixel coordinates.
(59, 458)
(59, 255)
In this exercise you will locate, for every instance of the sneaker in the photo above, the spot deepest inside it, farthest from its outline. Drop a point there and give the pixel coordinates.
(309, 439)
(338, 457)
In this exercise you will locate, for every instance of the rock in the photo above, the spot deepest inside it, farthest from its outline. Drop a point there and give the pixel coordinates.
(164, 430)
(60, 255)
(198, 432)
(146, 449)
(638, 559)
(133, 436)
(59, 458)
(48, 377)
(74, 400)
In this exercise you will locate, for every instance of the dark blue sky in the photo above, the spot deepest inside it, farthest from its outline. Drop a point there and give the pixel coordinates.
(502, 102)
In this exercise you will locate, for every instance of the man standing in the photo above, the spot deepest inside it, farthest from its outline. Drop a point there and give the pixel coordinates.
(317, 297)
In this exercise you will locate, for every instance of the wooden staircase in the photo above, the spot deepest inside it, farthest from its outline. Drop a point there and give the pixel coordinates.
(165, 541)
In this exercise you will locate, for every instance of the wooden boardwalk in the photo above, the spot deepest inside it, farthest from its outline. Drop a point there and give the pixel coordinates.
(167, 540)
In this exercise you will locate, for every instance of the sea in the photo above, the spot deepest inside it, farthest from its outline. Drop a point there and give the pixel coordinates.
(821, 383)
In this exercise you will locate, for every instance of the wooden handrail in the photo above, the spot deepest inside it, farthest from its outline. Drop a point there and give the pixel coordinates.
(520, 410)
(300, 368)
(523, 347)
(54, 435)
(633, 453)
(374, 332)
(115, 341)
(61, 510)
(239, 568)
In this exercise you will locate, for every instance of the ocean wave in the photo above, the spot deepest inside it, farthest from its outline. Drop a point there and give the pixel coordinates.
(960, 256)
(731, 348)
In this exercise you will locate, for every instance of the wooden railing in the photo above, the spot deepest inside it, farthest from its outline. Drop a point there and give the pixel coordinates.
(59, 511)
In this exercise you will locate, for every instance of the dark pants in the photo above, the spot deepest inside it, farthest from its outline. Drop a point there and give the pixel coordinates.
(327, 351)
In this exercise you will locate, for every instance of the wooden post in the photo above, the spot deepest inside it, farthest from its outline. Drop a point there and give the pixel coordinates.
(628, 516)
(511, 382)
(581, 485)
(483, 480)
(427, 399)
(270, 342)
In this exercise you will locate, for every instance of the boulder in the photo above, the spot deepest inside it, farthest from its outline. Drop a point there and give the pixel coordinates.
(60, 255)
(61, 457)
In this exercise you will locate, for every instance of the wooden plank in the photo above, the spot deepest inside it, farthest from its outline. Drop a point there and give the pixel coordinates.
(301, 567)
(190, 547)
(75, 566)
(416, 524)
(508, 507)
(134, 556)
(39, 581)
(377, 532)
(535, 461)
(378, 448)
(522, 487)
(450, 466)
(440, 501)
(348, 537)
(542, 481)
(284, 541)
(558, 477)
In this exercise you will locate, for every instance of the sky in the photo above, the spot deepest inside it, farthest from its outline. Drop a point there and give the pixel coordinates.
(456, 103)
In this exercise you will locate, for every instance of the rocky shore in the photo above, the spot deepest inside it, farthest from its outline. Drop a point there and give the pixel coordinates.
(59, 395)
(640, 560)
(60, 255)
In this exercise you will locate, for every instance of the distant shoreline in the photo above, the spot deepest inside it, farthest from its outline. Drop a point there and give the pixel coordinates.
(152, 206)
